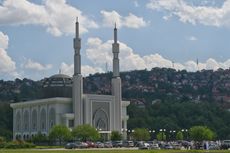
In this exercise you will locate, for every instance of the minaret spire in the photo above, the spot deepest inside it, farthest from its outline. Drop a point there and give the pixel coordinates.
(77, 48)
(116, 84)
(77, 28)
(115, 33)
(116, 72)
(77, 79)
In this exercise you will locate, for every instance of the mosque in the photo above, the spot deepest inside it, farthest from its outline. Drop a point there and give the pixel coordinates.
(66, 104)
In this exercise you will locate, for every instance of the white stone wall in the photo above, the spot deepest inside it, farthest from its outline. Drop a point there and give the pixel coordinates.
(32, 117)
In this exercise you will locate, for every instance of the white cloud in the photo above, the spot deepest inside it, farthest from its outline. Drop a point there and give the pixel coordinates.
(99, 53)
(56, 15)
(86, 69)
(7, 65)
(36, 66)
(136, 4)
(130, 21)
(192, 38)
(4, 39)
(194, 14)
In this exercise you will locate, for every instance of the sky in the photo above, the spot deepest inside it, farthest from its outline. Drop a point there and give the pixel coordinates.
(36, 36)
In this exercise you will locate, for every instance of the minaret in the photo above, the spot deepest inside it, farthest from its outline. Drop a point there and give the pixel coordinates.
(77, 87)
(116, 84)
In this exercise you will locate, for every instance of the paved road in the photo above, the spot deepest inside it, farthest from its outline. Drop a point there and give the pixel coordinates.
(135, 148)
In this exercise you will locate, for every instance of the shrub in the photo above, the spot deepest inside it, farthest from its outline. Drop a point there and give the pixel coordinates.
(17, 144)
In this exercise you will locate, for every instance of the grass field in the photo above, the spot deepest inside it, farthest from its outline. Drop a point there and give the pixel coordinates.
(107, 151)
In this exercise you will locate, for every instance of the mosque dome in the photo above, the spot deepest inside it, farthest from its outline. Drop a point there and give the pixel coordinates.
(58, 85)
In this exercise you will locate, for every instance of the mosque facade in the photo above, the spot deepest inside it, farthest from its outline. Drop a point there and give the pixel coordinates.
(66, 104)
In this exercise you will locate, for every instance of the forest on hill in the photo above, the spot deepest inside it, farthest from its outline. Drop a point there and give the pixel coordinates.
(160, 98)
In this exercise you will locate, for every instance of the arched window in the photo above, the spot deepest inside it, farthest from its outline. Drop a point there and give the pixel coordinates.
(34, 120)
(18, 121)
(51, 117)
(26, 120)
(100, 120)
(43, 119)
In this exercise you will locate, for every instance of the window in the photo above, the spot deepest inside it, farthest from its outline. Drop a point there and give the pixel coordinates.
(71, 123)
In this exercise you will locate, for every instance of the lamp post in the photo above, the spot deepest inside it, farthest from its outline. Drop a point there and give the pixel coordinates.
(186, 130)
(128, 133)
(164, 134)
(161, 134)
(174, 134)
(153, 134)
(170, 134)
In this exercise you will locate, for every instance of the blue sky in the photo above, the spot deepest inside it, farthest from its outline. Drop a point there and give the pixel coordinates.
(36, 35)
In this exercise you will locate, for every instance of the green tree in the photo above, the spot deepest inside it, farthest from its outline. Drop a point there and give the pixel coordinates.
(141, 134)
(179, 136)
(200, 133)
(39, 138)
(115, 135)
(60, 133)
(85, 132)
(161, 136)
(2, 140)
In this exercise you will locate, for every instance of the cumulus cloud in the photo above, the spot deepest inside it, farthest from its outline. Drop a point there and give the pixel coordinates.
(86, 69)
(36, 66)
(7, 65)
(56, 15)
(99, 53)
(194, 14)
(130, 21)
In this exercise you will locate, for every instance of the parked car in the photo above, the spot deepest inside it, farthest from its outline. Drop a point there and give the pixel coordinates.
(128, 144)
(225, 144)
(108, 144)
(213, 146)
(90, 144)
(70, 146)
(167, 146)
(144, 145)
(99, 145)
(81, 145)
(154, 146)
(117, 144)
(138, 143)
(176, 146)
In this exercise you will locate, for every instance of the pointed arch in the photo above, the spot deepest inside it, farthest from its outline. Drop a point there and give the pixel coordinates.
(26, 120)
(43, 119)
(34, 120)
(101, 120)
(51, 117)
(18, 121)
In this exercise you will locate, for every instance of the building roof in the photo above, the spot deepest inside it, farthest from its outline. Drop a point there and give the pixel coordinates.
(58, 85)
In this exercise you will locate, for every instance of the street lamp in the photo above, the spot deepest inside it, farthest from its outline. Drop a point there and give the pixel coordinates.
(153, 134)
(186, 130)
(174, 136)
(164, 133)
(170, 134)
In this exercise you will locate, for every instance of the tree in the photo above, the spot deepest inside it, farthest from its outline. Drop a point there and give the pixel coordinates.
(60, 133)
(200, 133)
(85, 132)
(141, 134)
(39, 138)
(179, 136)
(115, 135)
(161, 136)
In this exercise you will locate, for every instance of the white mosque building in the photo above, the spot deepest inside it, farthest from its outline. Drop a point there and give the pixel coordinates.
(66, 104)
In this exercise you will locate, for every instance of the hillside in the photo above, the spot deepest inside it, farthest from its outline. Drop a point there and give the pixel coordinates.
(160, 98)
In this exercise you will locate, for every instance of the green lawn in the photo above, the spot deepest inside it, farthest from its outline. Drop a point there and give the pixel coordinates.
(105, 151)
